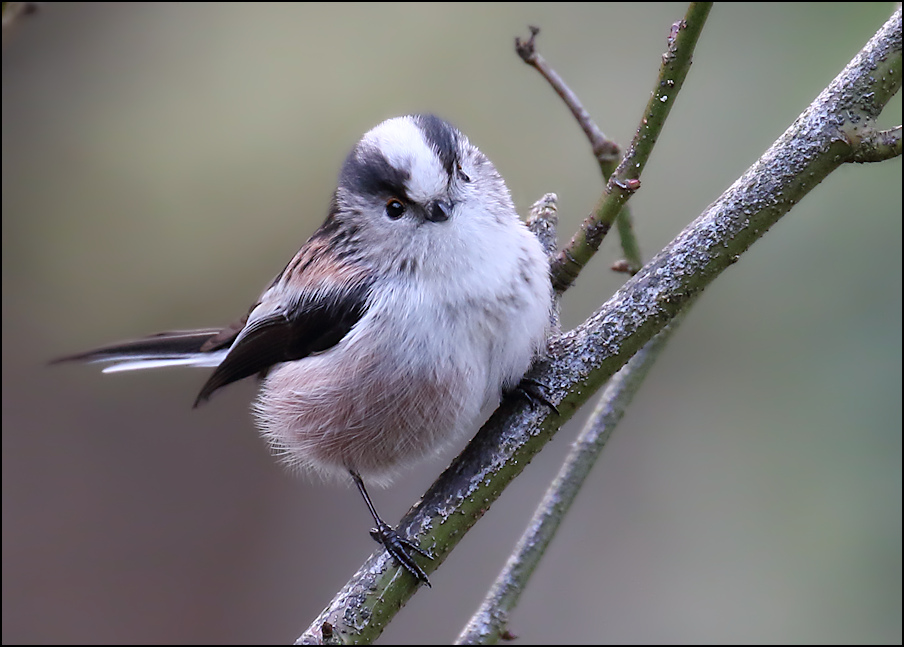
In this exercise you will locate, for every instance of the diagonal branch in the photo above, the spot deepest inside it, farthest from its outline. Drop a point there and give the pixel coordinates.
(625, 180)
(606, 151)
(582, 359)
(489, 622)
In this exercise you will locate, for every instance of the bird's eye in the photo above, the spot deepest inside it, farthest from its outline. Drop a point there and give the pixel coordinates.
(395, 208)
(461, 173)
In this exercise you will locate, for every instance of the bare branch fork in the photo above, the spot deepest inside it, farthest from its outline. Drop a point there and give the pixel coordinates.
(837, 127)
(490, 622)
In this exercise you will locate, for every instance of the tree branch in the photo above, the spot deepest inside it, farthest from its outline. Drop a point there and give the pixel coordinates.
(582, 359)
(489, 622)
(606, 151)
(878, 146)
(625, 180)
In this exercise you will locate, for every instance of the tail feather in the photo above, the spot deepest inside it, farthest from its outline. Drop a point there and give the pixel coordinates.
(175, 348)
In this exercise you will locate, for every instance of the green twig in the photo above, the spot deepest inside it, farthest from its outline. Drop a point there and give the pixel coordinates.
(878, 146)
(490, 621)
(584, 358)
(606, 151)
(626, 179)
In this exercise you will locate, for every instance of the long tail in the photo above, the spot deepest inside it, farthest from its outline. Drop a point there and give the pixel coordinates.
(205, 348)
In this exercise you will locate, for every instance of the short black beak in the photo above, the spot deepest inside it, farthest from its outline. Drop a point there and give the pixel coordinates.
(439, 212)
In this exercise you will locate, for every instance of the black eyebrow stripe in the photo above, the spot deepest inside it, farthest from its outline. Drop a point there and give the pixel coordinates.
(442, 137)
(366, 171)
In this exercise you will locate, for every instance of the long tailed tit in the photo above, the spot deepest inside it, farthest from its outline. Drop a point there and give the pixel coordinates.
(419, 300)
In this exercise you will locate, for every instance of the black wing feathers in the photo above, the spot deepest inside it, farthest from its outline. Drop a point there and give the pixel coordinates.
(289, 334)
(176, 343)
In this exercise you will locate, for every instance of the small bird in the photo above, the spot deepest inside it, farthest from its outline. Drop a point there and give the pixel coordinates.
(419, 301)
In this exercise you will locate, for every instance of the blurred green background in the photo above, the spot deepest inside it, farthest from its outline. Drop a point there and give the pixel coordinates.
(162, 162)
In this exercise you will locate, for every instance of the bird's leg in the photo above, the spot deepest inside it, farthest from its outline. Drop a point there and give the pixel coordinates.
(395, 545)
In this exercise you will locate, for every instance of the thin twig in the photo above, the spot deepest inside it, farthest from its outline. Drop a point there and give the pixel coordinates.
(543, 221)
(606, 152)
(626, 179)
(604, 149)
(584, 358)
(632, 261)
(878, 146)
(490, 621)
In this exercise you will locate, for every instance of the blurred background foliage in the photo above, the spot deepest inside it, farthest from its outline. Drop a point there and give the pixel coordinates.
(161, 162)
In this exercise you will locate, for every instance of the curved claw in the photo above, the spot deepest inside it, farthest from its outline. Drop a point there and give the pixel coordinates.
(534, 391)
(398, 547)
(395, 545)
